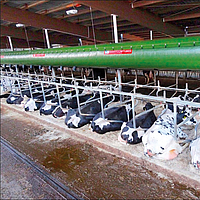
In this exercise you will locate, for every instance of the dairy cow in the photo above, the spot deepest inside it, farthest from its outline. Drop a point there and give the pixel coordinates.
(196, 98)
(75, 120)
(182, 109)
(195, 152)
(58, 112)
(113, 119)
(49, 106)
(159, 140)
(37, 101)
(14, 99)
(67, 101)
(131, 135)
(72, 102)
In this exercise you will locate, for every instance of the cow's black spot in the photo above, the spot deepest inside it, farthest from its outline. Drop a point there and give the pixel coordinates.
(125, 129)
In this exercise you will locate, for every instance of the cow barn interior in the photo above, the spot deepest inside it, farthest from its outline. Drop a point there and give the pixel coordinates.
(100, 99)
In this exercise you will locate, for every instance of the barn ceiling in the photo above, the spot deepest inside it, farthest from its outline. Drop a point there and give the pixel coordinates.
(93, 21)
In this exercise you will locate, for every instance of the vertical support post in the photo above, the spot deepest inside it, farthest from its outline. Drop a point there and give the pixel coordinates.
(47, 38)
(120, 82)
(176, 79)
(18, 81)
(175, 120)
(115, 28)
(77, 97)
(59, 101)
(29, 85)
(43, 92)
(133, 111)
(186, 91)
(101, 99)
(92, 74)
(136, 75)
(10, 42)
(121, 35)
(105, 71)
(154, 77)
(53, 73)
(80, 41)
(151, 35)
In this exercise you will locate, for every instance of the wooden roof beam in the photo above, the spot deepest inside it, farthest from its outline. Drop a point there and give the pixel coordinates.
(58, 8)
(36, 3)
(181, 17)
(145, 3)
(99, 16)
(80, 12)
(28, 18)
(20, 43)
(35, 36)
(136, 15)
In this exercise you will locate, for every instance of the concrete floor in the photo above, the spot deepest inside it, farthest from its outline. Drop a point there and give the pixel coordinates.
(130, 171)
(19, 181)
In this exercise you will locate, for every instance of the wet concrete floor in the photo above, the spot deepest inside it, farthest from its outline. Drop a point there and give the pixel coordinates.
(19, 181)
(87, 170)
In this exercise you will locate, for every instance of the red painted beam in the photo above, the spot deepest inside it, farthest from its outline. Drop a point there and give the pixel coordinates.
(28, 18)
(138, 16)
(181, 17)
(36, 36)
(20, 43)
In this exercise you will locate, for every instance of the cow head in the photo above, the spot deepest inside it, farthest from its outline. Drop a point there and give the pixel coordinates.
(48, 107)
(196, 98)
(148, 106)
(130, 135)
(58, 112)
(186, 113)
(30, 105)
(195, 152)
(14, 99)
(72, 120)
(160, 145)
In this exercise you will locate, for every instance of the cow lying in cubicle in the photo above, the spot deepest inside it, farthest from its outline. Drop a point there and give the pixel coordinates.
(113, 119)
(74, 119)
(67, 101)
(160, 141)
(131, 135)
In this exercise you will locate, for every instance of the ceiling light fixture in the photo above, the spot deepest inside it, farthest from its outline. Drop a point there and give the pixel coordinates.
(19, 25)
(71, 12)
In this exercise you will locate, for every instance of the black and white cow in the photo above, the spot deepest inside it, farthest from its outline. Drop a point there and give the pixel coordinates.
(67, 101)
(72, 102)
(113, 119)
(195, 152)
(159, 140)
(131, 135)
(58, 112)
(49, 106)
(37, 101)
(14, 99)
(196, 98)
(182, 109)
(75, 120)
(34, 104)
